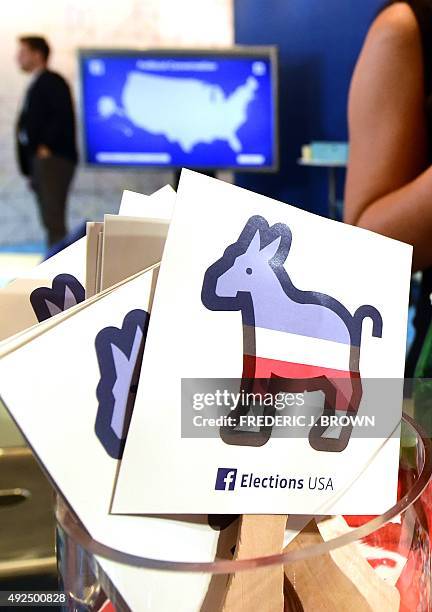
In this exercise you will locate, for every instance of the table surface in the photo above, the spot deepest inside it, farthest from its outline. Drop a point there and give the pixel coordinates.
(322, 163)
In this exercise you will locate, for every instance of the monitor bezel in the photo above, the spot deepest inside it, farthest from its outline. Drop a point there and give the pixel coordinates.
(269, 52)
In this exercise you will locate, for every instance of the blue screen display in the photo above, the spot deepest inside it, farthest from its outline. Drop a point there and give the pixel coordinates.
(197, 111)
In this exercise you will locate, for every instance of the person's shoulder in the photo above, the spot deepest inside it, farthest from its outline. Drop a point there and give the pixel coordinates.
(54, 77)
(397, 24)
(51, 81)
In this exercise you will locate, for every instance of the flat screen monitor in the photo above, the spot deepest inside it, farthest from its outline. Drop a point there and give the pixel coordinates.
(198, 109)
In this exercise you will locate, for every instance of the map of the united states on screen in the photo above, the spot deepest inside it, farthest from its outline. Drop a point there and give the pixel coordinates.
(187, 111)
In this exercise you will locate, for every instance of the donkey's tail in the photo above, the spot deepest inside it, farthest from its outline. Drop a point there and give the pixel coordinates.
(368, 312)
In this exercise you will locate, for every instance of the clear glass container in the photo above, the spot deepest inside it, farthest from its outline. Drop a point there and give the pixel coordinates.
(367, 563)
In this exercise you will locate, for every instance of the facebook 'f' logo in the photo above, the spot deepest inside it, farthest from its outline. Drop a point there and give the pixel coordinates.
(226, 479)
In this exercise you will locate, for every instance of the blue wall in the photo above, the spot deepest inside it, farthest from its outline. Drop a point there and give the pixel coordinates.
(319, 42)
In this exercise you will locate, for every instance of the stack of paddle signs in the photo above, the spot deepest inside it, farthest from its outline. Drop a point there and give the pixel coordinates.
(335, 581)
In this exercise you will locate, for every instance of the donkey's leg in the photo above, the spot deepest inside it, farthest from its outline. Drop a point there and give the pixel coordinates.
(348, 398)
(254, 384)
(341, 394)
(316, 439)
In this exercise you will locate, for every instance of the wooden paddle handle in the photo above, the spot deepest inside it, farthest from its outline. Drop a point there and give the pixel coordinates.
(260, 590)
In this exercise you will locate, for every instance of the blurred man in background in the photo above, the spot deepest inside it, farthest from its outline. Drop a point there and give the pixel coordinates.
(46, 143)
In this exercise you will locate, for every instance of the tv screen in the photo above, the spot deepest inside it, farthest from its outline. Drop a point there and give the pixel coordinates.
(200, 109)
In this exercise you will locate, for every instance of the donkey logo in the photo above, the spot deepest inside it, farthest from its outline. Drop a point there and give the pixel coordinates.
(66, 291)
(119, 353)
(293, 340)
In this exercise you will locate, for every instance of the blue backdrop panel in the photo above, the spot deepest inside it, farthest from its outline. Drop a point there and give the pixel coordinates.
(319, 42)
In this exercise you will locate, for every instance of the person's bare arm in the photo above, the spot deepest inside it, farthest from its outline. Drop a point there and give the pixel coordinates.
(388, 189)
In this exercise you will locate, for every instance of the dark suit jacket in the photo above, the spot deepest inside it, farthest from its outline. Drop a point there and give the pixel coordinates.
(47, 118)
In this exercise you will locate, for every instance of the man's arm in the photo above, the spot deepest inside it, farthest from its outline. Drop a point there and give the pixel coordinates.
(388, 189)
(59, 113)
(34, 116)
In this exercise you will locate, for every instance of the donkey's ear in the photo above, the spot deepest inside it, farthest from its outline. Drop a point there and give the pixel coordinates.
(255, 243)
(53, 309)
(69, 298)
(120, 359)
(271, 249)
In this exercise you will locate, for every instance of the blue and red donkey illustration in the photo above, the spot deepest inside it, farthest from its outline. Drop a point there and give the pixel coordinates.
(293, 340)
(66, 292)
(120, 353)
